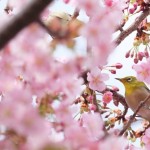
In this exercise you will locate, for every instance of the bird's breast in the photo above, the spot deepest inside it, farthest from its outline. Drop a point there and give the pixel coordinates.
(134, 99)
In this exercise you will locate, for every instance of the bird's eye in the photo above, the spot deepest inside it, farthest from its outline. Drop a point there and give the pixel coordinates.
(129, 79)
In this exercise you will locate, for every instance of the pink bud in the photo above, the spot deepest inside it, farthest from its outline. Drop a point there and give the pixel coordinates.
(146, 53)
(113, 71)
(136, 60)
(118, 65)
(132, 54)
(107, 97)
(127, 54)
(140, 55)
(114, 88)
(90, 98)
(131, 10)
(66, 1)
(109, 3)
(135, 5)
(92, 107)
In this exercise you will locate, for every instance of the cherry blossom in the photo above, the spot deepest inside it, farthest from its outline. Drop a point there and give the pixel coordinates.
(114, 143)
(91, 7)
(143, 71)
(108, 2)
(107, 97)
(97, 31)
(96, 79)
(94, 129)
(146, 139)
(38, 91)
(66, 1)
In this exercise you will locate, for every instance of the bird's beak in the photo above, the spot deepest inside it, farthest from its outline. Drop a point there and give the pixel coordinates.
(118, 79)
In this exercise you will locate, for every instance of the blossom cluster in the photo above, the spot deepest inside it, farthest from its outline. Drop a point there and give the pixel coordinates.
(38, 92)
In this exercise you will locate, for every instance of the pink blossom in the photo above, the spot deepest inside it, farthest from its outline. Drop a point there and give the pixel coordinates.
(92, 107)
(63, 114)
(6, 144)
(107, 97)
(91, 7)
(71, 87)
(96, 79)
(146, 139)
(143, 71)
(113, 143)
(99, 29)
(108, 2)
(90, 98)
(16, 111)
(133, 147)
(66, 1)
(93, 129)
(75, 136)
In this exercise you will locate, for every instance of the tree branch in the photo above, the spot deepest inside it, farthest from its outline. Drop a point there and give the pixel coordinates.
(29, 14)
(132, 27)
(133, 116)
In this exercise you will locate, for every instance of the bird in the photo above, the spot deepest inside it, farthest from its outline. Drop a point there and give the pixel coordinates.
(60, 22)
(135, 92)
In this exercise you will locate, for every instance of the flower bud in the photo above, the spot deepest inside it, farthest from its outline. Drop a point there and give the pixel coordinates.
(92, 107)
(136, 60)
(107, 97)
(132, 54)
(118, 65)
(90, 98)
(131, 10)
(114, 88)
(146, 53)
(66, 1)
(140, 55)
(127, 54)
(135, 5)
(113, 71)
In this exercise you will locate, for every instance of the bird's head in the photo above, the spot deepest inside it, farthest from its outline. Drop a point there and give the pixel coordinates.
(130, 83)
(128, 80)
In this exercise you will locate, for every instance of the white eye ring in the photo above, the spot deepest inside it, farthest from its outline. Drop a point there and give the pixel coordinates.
(129, 79)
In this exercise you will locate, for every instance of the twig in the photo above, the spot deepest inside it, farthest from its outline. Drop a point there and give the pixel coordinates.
(132, 27)
(133, 116)
(75, 14)
(117, 97)
(29, 14)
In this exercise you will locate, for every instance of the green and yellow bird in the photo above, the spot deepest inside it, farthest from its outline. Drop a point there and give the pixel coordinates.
(135, 92)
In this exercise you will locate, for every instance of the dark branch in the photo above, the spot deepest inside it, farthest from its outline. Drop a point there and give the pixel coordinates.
(117, 97)
(29, 14)
(132, 27)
